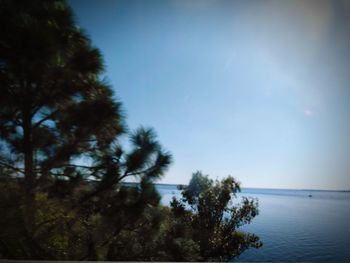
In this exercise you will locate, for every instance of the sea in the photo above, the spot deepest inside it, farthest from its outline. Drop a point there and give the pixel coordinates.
(294, 225)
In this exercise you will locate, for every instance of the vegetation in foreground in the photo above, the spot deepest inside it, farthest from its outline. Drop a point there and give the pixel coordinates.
(62, 163)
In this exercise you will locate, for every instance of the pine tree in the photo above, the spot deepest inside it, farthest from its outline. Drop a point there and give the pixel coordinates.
(60, 129)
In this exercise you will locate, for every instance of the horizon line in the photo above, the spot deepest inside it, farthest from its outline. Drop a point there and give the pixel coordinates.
(266, 188)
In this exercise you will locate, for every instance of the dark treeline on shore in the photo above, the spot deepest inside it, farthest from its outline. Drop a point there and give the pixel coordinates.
(55, 111)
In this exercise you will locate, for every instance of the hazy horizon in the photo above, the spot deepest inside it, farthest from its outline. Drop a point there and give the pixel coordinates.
(267, 188)
(254, 89)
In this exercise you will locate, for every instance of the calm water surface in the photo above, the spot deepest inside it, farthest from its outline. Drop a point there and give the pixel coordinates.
(294, 226)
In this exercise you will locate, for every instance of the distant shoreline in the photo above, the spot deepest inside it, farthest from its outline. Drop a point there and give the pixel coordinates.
(245, 188)
(258, 188)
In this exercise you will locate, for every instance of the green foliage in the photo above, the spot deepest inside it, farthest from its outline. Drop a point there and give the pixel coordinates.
(207, 209)
(129, 224)
(85, 233)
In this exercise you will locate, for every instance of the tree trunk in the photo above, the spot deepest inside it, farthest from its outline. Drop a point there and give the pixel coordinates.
(29, 176)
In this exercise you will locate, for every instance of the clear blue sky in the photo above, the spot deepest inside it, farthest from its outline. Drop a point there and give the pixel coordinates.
(259, 90)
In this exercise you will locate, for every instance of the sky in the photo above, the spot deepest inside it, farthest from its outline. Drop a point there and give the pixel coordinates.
(259, 90)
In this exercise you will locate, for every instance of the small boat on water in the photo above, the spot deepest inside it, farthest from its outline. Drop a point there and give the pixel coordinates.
(310, 195)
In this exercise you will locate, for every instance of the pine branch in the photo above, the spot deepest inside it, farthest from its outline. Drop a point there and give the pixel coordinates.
(11, 167)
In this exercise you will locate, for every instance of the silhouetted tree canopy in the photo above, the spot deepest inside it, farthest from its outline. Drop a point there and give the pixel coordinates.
(54, 105)
(59, 128)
